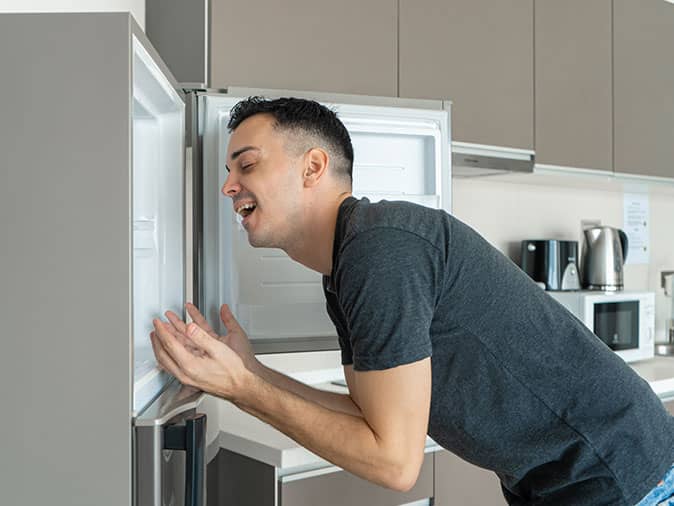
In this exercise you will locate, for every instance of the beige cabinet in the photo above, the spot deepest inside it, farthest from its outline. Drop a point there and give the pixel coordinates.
(643, 39)
(319, 45)
(237, 479)
(573, 83)
(479, 54)
(459, 483)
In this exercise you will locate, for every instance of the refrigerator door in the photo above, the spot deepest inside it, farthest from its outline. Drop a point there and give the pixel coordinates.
(158, 237)
(401, 153)
(170, 450)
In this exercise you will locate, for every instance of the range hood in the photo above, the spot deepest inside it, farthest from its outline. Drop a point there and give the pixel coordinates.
(478, 160)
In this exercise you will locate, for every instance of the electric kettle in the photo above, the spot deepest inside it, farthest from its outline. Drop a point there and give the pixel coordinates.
(603, 257)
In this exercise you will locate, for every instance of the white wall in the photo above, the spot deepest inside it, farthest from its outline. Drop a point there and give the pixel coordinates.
(505, 213)
(136, 7)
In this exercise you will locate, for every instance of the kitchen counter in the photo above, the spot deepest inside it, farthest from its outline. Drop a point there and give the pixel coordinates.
(244, 434)
(659, 372)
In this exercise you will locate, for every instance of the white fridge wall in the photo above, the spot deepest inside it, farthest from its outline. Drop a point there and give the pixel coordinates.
(158, 215)
(400, 154)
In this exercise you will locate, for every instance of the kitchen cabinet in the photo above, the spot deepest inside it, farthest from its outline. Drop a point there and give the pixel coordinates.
(479, 54)
(347, 46)
(573, 83)
(459, 482)
(240, 480)
(643, 38)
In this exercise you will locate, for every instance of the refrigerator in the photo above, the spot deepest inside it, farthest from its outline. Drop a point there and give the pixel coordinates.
(112, 214)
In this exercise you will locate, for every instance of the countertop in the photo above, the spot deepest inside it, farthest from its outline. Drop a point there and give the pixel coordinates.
(242, 433)
(659, 372)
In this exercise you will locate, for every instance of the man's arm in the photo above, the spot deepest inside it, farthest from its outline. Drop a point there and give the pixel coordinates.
(385, 445)
(331, 400)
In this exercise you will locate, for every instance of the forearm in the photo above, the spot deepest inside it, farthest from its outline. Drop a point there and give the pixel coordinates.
(341, 438)
(331, 400)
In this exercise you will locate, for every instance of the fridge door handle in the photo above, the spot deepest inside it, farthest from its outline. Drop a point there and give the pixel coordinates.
(191, 439)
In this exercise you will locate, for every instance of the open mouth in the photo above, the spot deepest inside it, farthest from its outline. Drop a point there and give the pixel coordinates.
(245, 210)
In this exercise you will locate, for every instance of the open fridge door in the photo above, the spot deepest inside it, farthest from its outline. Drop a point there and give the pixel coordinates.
(169, 436)
(158, 126)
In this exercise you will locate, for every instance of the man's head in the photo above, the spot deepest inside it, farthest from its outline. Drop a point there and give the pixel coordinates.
(285, 157)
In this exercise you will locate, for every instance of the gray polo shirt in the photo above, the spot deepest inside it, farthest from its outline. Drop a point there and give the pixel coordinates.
(520, 386)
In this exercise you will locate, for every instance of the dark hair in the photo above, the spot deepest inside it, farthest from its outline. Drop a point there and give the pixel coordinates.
(302, 118)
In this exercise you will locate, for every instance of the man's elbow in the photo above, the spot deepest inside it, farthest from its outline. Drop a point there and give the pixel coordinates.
(403, 476)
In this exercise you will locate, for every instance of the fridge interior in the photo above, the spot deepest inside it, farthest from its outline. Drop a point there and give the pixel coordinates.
(158, 126)
(400, 154)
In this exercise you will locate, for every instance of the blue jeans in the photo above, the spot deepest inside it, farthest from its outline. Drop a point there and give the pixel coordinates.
(663, 493)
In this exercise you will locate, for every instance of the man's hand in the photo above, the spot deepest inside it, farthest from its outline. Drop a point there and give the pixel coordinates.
(198, 359)
(236, 337)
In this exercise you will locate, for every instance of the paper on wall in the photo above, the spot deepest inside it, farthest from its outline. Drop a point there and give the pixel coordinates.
(635, 224)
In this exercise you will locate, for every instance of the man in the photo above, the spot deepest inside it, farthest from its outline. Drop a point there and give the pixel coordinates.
(439, 333)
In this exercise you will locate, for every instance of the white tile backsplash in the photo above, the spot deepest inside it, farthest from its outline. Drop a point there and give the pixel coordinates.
(506, 212)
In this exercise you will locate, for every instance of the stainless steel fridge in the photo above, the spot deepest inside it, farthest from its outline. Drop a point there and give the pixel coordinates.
(107, 222)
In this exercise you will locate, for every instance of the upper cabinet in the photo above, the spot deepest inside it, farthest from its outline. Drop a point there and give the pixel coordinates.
(479, 54)
(643, 39)
(573, 78)
(347, 46)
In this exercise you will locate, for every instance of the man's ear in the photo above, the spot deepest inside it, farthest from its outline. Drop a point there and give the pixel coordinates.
(316, 162)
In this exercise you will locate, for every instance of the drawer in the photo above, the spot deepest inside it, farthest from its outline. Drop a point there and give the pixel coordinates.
(337, 488)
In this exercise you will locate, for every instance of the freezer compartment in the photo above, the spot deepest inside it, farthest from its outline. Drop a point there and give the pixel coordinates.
(158, 214)
(400, 153)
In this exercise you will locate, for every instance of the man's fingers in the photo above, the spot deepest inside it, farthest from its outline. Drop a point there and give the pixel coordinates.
(228, 319)
(178, 328)
(176, 321)
(199, 319)
(164, 359)
(202, 339)
(172, 344)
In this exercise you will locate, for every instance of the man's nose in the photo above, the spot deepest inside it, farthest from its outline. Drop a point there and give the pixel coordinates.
(231, 186)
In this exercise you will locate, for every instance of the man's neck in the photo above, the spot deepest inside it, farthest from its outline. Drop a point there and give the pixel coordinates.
(314, 250)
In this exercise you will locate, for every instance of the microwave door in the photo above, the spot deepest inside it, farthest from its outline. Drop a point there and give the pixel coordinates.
(617, 324)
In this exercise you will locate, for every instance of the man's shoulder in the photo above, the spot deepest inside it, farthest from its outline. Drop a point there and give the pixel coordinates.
(391, 217)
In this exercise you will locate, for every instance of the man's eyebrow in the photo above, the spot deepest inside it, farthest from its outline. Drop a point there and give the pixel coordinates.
(240, 151)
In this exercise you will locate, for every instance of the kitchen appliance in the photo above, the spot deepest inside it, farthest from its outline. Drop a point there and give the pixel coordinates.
(97, 209)
(666, 348)
(603, 258)
(552, 263)
(625, 321)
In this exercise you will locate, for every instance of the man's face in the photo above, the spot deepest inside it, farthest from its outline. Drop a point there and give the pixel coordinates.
(264, 183)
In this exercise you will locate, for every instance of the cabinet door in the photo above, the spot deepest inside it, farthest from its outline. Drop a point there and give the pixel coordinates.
(573, 76)
(479, 54)
(643, 38)
(459, 483)
(319, 45)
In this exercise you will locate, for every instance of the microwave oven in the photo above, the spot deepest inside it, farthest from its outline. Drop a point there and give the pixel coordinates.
(624, 321)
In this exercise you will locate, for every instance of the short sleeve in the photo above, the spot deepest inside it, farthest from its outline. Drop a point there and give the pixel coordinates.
(387, 282)
(338, 320)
